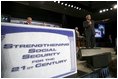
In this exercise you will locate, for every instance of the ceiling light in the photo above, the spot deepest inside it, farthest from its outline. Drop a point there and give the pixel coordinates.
(62, 3)
(103, 10)
(115, 6)
(65, 4)
(75, 7)
(107, 9)
(58, 2)
(71, 5)
(111, 8)
(100, 11)
(54, 1)
(79, 8)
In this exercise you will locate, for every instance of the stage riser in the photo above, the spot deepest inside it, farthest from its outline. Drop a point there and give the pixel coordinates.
(97, 61)
(97, 57)
(90, 52)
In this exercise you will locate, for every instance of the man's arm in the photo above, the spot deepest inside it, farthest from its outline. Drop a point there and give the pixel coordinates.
(85, 24)
(88, 24)
(77, 33)
(104, 20)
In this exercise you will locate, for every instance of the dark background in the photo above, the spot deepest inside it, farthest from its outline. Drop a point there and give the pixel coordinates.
(67, 17)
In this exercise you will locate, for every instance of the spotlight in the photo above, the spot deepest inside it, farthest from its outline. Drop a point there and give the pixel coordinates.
(58, 2)
(71, 5)
(79, 8)
(107, 9)
(62, 3)
(115, 6)
(100, 11)
(65, 4)
(75, 7)
(111, 8)
(103, 10)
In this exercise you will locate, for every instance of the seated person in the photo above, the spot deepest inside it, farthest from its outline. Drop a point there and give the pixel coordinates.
(29, 20)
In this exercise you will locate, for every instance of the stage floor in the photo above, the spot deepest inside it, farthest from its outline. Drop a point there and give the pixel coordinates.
(82, 65)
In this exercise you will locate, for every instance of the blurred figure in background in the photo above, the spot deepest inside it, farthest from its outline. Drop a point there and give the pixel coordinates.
(77, 38)
(110, 41)
(90, 31)
(28, 21)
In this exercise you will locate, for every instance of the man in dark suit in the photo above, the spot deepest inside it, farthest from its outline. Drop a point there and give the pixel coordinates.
(90, 31)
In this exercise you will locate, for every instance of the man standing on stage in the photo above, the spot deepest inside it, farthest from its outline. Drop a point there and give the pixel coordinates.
(77, 37)
(90, 31)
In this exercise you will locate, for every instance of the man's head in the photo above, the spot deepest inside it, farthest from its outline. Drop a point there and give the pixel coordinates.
(88, 17)
(29, 20)
(76, 28)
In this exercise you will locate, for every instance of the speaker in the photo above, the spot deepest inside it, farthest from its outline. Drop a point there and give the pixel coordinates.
(99, 60)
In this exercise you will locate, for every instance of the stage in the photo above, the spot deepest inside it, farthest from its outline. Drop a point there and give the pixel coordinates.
(82, 65)
(83, 71)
